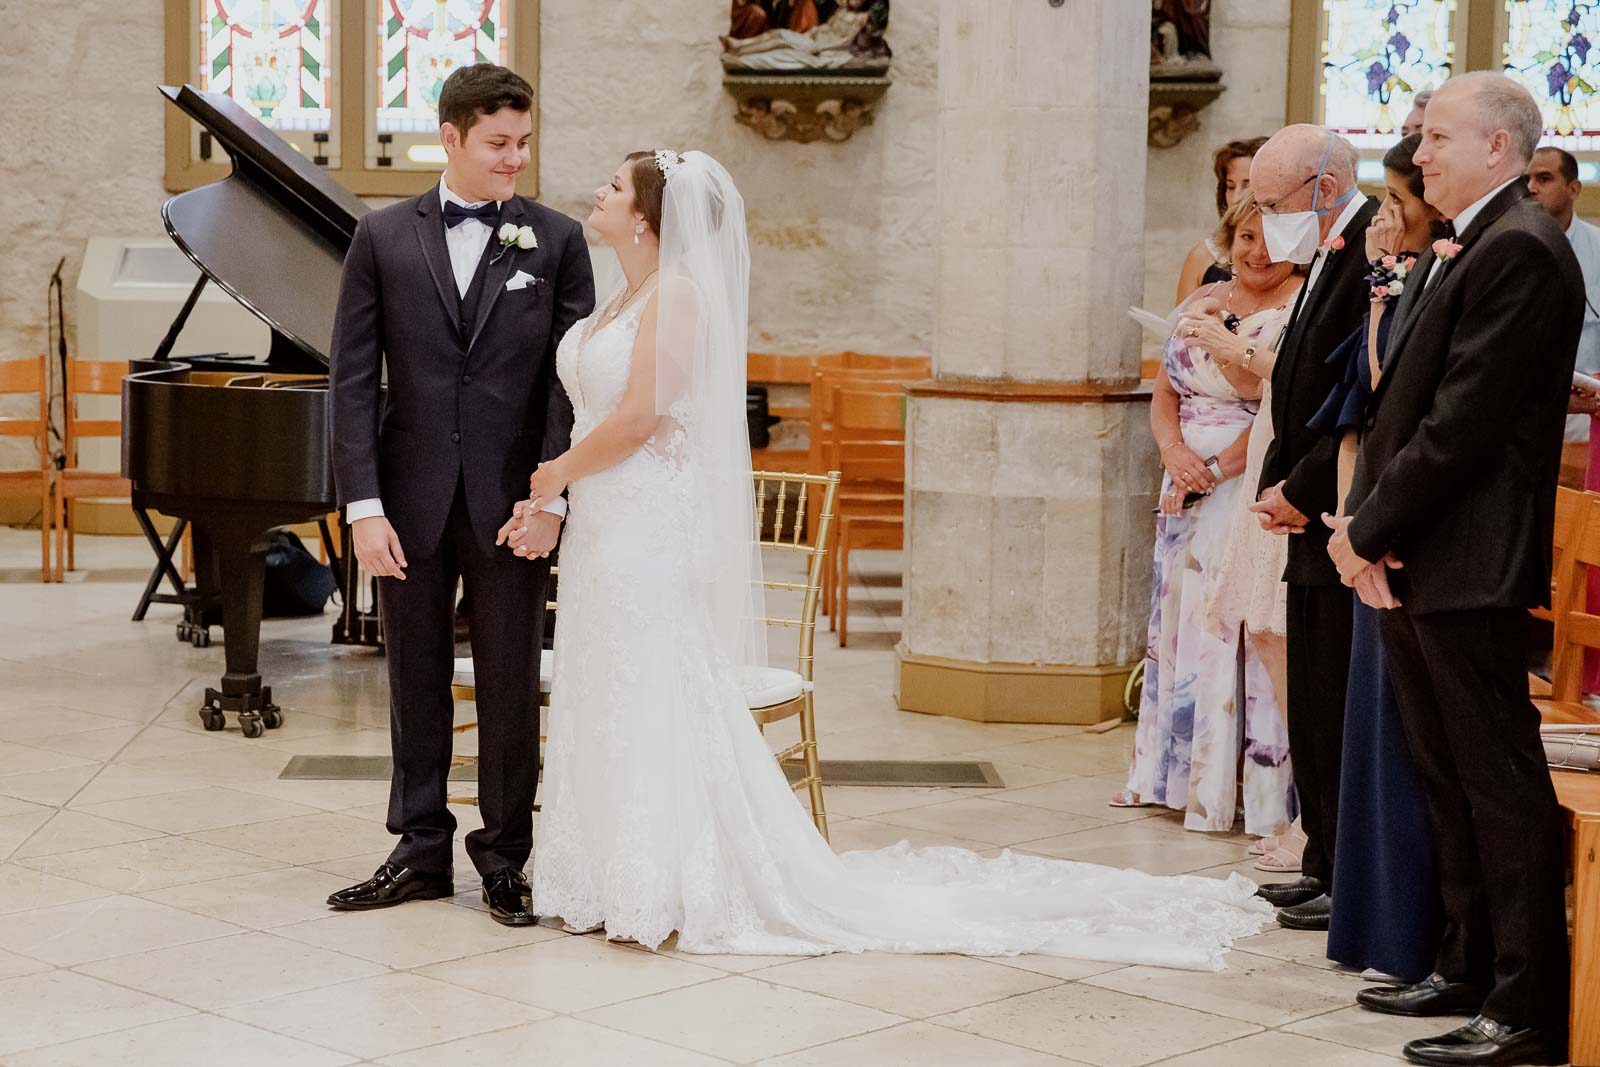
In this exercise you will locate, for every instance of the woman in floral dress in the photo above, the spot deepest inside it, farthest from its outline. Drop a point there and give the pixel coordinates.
(1209, 697)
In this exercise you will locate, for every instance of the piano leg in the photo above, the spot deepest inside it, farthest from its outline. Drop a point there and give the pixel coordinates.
(241, 552)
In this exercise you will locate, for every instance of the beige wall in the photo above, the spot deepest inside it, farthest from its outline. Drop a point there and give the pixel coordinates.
(1250, 41)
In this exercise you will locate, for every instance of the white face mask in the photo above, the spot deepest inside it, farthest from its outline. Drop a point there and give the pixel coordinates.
(1293, 236)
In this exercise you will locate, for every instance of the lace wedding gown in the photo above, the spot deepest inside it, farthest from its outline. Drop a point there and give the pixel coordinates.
(664, 810)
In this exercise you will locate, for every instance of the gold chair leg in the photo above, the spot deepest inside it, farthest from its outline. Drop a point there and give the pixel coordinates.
(808, 735)
(72, 535)
(843, 597)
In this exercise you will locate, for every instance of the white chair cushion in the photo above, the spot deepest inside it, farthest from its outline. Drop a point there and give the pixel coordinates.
(464, 675)
(765, 686)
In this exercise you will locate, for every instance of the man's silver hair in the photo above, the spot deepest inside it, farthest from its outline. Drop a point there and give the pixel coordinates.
(1422, 98)
(1502, 104)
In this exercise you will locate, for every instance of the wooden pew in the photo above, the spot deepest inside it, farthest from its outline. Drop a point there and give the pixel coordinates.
(1577, 548)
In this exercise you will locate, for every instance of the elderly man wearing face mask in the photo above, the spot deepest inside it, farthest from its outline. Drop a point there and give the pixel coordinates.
(1311, 212)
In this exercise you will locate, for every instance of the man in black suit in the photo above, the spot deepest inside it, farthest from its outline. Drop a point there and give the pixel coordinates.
(1304, 177)
(462, 294)
(1456, 481)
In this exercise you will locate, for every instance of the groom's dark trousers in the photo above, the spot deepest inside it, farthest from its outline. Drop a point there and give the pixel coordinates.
(472, 405)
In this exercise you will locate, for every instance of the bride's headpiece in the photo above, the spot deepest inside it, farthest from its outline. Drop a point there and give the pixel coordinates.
(667, 161)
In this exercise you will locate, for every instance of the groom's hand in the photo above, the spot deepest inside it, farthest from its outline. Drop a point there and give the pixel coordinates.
(530, 535)
(377, 547)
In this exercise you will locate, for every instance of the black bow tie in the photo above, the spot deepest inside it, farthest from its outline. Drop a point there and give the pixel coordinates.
(1450, 229)
(454, 214)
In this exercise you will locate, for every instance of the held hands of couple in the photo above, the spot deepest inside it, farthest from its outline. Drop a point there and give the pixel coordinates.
(1277, 515)
(377, 548)
(531, 533)
(1369, 580)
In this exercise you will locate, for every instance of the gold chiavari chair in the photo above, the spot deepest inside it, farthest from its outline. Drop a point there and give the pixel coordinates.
(775, 694)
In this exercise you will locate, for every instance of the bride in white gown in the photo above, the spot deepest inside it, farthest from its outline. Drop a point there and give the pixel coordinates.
(663, 809)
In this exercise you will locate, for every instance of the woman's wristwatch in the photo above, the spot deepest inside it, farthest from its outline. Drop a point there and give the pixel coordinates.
(1214, 465)
(1249, 354)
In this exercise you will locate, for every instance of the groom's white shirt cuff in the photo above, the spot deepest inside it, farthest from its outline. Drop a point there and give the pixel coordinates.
(372, 507)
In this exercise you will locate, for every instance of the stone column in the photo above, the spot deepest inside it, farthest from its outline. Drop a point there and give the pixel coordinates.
(1030, 473)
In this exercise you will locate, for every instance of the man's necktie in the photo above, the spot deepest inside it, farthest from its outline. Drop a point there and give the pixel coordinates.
(487, 213)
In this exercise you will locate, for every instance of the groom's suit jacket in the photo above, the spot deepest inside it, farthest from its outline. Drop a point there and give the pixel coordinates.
(1460, 454)
(472, 391)
(1305, 460)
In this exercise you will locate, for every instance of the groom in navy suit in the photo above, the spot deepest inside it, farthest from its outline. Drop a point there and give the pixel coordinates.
(461, 294)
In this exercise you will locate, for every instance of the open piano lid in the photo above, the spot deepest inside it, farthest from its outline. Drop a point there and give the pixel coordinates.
(272, 234)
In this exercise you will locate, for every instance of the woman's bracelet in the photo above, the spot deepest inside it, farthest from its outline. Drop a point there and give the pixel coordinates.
(1170, 444)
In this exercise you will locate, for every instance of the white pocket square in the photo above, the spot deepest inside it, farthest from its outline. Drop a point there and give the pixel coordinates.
(520, 280)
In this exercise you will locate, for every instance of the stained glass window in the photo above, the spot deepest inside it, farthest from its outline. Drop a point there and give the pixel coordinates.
(1549, 50)
(419, 43)
(272, 56)
(1377, 55)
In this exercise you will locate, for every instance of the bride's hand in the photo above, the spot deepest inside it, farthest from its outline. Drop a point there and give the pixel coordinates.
(548, 482)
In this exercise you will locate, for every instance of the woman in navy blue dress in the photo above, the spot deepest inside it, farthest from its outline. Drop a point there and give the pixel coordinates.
(1386, 915)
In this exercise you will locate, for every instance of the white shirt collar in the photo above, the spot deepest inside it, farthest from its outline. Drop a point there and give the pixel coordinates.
(1470, 212)
(1351, 209)
(448, 196)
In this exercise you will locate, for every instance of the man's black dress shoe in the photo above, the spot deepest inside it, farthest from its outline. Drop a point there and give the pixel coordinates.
(1288, 894)
(1312, 915)
(1434, 995)
(1484, 1041)
(509, 899)
(393, 885)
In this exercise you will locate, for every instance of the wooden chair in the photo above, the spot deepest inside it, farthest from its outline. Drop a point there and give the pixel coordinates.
(1571, 510)
(19, 377)
(773, 693)
(1578, 792)
(866, 444)
(86, 377)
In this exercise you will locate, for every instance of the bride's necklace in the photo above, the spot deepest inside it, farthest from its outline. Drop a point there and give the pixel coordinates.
(630, 294)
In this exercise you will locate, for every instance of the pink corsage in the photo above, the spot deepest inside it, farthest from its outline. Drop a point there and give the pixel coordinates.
(1445, 248)
(1335, 243)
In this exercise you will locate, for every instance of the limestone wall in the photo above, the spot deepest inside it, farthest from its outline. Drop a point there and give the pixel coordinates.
(1250, 41)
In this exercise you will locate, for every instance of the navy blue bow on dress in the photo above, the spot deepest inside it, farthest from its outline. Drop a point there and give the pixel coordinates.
(487, 213)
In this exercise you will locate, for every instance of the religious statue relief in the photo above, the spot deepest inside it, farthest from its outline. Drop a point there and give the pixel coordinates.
(1180, 40)
(807, 36)
(1183, 77)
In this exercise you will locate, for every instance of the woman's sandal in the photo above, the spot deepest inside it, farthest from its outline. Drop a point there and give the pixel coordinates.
(1285, 857)
(1262, 846)
(1127, 798)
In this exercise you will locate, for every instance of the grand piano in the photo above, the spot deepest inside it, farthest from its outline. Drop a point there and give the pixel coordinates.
(236, 446)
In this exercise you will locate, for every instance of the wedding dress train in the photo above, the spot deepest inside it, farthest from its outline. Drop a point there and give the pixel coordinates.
(664, 810)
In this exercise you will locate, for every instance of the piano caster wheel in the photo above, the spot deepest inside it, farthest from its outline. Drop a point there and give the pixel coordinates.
(271, 718)
(250, 725)
(212, 719)
(201, 637)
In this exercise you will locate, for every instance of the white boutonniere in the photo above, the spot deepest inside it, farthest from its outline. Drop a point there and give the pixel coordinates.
(521, 236)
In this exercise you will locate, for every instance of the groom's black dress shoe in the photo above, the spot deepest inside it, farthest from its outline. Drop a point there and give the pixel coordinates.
(393, 885)
(1312, 915)
(509, 899)
(1434, 995)
(1482, 1042)
(1288, 894)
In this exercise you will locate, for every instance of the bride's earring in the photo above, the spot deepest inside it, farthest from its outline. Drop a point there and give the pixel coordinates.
(637, 230)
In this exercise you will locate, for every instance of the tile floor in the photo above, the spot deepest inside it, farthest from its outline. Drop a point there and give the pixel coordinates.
(161, 890)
